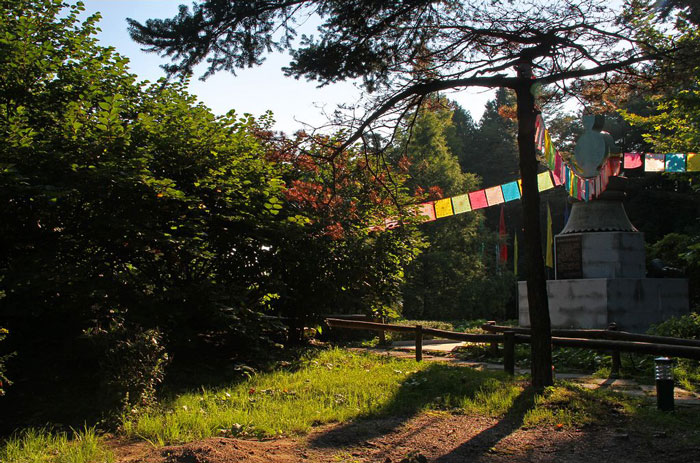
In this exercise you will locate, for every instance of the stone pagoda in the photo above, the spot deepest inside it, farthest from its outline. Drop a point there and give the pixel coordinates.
(600, 272)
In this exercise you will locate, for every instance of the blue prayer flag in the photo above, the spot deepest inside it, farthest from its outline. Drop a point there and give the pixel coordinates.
(511, 192)
(675, 162)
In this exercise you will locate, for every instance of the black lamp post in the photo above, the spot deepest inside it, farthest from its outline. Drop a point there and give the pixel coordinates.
(664, 383)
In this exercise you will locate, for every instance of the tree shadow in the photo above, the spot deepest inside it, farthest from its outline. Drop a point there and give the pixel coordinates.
(488, 438)
(438, 386)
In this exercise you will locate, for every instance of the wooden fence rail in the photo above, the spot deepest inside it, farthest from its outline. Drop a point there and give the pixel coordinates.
(509, 336)
(609, 334)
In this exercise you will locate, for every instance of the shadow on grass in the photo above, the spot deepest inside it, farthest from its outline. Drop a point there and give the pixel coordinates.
(438, 386)
(488, 438)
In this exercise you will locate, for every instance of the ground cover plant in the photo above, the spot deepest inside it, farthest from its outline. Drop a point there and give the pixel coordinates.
(40, 445)
(332, 386)
(341, 386)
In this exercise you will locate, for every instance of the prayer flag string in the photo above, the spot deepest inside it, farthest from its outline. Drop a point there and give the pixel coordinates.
(559, 173)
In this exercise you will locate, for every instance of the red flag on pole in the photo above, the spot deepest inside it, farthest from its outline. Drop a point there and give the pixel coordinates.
(503, 254)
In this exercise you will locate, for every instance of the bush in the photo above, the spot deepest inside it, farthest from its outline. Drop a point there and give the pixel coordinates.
(686, 371)
(685, 326)
(3, 358)
(132, 365)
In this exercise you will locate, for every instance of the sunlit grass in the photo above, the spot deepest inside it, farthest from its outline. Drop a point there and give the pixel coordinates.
(334, 386)
(41, 446)
(338, 386)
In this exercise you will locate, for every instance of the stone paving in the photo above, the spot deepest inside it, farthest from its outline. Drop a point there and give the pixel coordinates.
(441, 351)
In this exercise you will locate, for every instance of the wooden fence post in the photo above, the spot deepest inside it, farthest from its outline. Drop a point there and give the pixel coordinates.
(509, 352)
(382, 333)
(616, 362)
(419, 343)
(494, 344)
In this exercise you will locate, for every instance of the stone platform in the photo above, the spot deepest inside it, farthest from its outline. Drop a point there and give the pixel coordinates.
(593, 303)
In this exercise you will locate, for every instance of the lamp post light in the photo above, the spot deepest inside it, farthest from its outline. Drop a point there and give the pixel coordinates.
(664, 383)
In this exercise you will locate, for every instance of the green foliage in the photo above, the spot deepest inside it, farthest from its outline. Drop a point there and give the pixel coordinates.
(493, 152)
(131, 365)
(685, 326)
(686, 372)
(133, 214)
(4, 382)
(42, 446)
(456, 276)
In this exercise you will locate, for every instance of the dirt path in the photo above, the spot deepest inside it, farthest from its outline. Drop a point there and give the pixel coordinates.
(439, 437)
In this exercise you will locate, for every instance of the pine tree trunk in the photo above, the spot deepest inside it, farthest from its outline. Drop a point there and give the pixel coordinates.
(536, 280)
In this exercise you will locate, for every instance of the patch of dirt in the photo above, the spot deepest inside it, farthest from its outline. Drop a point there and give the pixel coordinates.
(439, 437)
(215, 450)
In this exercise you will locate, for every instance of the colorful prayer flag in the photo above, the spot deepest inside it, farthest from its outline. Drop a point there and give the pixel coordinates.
(478, 199)
(693, 162)
(503, 249)
(443, 208)
(633, 160)
(427, 210)
(556, 172)
(551, 156)
(511, 192)
(460, 204)
(675, 162)
(494, 195)
(549, 259)
(654, 162)
(614, 162)
(515, 253)
(544, 181)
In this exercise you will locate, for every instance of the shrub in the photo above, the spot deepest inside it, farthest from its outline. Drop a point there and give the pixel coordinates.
(685, 326)
(686, 371)
(132, 365)
(4, 382)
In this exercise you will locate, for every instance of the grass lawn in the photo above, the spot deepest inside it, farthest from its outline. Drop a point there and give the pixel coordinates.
(336, 385)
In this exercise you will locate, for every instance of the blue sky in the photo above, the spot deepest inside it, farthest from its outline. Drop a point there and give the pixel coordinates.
(255, 90)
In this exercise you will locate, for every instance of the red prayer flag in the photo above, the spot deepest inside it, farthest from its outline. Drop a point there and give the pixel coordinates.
(503, 253)
(633, 160)
(478, 199)
(556, 173)
(614, 166)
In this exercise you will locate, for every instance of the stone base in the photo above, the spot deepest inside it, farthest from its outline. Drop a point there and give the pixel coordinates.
(632, 303)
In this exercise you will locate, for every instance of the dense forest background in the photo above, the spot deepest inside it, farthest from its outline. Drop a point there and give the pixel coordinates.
(144, 237)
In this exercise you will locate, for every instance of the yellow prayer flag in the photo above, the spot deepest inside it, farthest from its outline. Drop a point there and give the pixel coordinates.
(549, 258)
(443, 208)
(544, 181)
(693, 162)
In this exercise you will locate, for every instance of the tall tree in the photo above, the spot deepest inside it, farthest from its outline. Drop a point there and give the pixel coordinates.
(517, 45)
(493, 154)
(451, 278)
